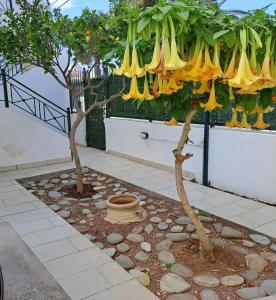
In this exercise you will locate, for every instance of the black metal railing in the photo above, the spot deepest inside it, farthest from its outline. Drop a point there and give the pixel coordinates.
(31, 102)
(9, 68)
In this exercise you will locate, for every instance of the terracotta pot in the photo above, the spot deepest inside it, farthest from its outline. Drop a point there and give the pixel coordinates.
(124, 209)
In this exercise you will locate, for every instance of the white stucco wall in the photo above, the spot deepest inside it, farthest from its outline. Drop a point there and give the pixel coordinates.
(240, 161)
(24, 140)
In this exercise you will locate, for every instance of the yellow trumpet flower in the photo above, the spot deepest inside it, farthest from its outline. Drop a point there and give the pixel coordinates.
(173, 85)
(174, 62)
(134, 91)
(234, 120)
(208, 70)
(166, 89)
(172, 122)
(260, 124)
(146, 94)
(244, 76)
(231, 70)
(156, 55)
(244, 123)
(265, 79)
(135, 69)
(165, 55)
(218, 73)
(204, 88)
(212, 102)
(125, 67)
(195, 72)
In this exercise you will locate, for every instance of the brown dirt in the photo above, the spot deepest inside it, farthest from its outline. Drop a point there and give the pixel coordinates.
(187, 252)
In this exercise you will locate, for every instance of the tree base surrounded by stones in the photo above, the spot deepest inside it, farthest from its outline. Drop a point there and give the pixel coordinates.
(162, 252)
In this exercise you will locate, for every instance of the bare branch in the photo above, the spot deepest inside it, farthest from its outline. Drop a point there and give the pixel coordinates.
(104, 102)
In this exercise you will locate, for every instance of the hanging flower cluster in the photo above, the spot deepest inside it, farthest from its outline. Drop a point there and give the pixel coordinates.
(237, 57)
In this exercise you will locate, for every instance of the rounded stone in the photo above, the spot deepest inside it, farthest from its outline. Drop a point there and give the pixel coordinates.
(183, 220)
(64, 203)
(125, 262)
(269, 287)
(55, 180)
(64, 213)
(141, 256)
(155, 220)
(71, 221)
(208, 294)
(109, 251)
(114, 238)
(54, 207)
(255, 262)
(218, 228)
(54, 195)
(182, 271)
(123, 247)
(159, 234)
(185, 296)
(250, 275)
(232, 280)
(177, 237)
(90, 237)
(148, 228)
(166, 257)
(64, 176)
(135, 238)
(163, 226)
(177, 228)
(230, 233)
(248, 244)
(101, 205)
(164, 245)
(251, 293)
(268, 256)
(143, 278)
(190, 228)
(146, 246)
(137, 229)
(173, 283)
(205, 219)
(260, 239)
(48, 186)
(169, 221)
(273, 247)
(100, 245)
(206, 280)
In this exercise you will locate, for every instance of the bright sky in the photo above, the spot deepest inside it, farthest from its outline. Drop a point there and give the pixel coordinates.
(74, 7)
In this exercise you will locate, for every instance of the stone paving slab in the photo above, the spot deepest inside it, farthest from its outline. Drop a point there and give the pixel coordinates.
(25, 278)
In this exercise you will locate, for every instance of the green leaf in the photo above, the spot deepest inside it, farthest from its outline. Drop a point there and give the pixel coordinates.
(256, 37)
(183, 15)
(165, 9)
(142, 24)
(250, 102)
(219, 34)
(230, 39)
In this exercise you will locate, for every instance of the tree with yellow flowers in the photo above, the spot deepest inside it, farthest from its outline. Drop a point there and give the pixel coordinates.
(201, 58)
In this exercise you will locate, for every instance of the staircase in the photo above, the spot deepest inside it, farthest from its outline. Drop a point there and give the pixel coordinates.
(16, 94)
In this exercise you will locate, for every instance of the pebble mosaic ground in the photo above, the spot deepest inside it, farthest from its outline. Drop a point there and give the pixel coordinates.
(162, 252)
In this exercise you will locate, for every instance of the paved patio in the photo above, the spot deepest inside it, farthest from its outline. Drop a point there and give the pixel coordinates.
(80, 268)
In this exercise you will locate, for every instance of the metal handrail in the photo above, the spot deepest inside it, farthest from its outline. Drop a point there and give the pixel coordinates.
(28, 100)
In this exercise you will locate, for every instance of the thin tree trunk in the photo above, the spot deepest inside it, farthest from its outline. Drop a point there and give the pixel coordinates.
(74, 150)
(206, 247)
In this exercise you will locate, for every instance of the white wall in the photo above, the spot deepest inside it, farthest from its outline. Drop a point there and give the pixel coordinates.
(122, 135)
(26, 141)
(240, 161)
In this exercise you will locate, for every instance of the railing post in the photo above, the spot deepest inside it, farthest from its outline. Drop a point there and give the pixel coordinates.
(206, 148)
(5, 88)
(69, 120)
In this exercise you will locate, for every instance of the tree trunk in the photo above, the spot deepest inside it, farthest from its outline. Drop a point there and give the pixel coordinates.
(206, 247)
(74, 150)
